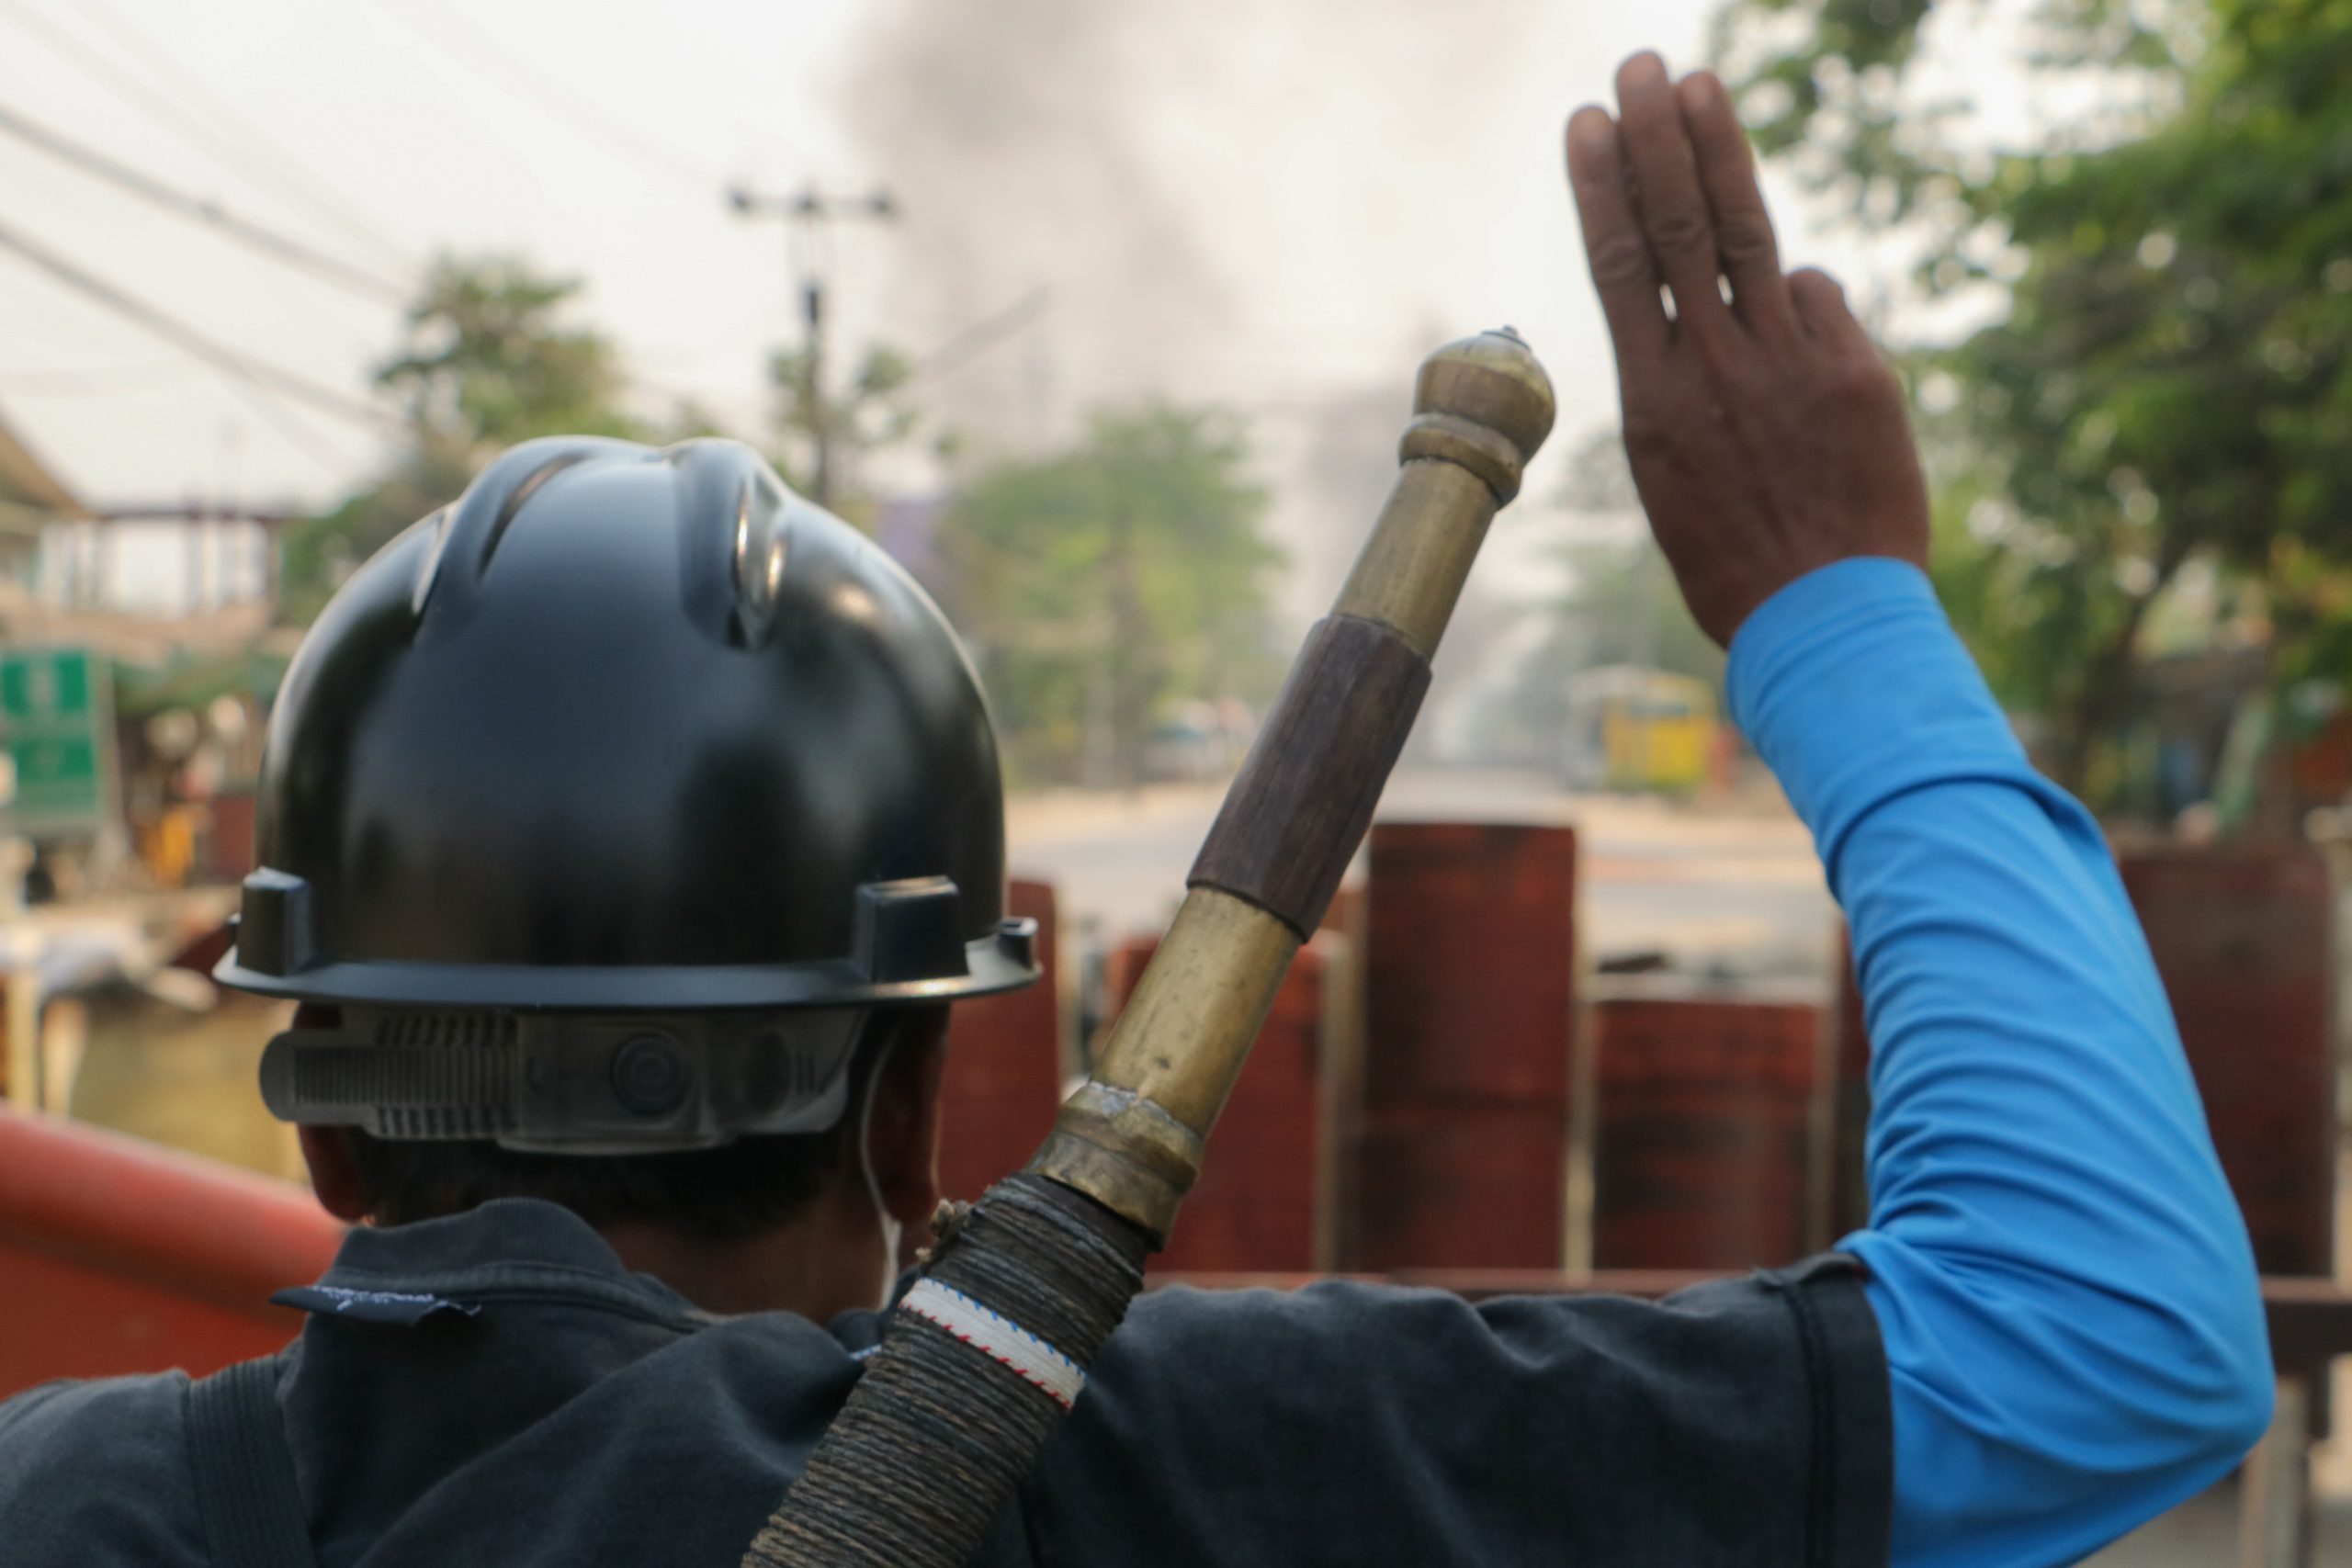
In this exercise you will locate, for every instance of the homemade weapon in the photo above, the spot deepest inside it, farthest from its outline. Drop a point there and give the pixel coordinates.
(989, 1349)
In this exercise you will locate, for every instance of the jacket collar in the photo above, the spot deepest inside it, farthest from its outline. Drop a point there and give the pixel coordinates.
(506, 1248)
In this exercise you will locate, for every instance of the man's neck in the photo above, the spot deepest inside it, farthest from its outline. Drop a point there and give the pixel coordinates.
(821, 1264)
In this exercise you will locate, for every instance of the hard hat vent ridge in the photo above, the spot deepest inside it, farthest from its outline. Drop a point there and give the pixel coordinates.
(441, 1122)
(468, 1082)
(446, 1029)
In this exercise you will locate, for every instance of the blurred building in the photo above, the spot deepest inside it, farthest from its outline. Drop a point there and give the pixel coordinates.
(31, 497)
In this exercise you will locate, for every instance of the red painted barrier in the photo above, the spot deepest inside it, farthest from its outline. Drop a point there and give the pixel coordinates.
(2243, 936)
(1003, 1076)
(1468, 1034)
(119, 1257)
(1704, 1116)
(1458, 1187)
(1261, 1201)
(232, 846)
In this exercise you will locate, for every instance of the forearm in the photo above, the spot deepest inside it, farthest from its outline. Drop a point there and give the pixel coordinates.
(2067, 1298)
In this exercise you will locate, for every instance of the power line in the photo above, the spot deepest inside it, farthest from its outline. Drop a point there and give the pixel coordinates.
(327, 453)
(291, 251)
(518, 74)
(232, 362)
(257, 158)
(983, 335)
(323, 195)
(101, 379)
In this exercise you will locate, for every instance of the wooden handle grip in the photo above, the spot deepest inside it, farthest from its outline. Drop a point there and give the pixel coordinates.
(1300, 806)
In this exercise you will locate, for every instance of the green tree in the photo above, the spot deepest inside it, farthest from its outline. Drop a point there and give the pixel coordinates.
(489, 358)
(2166, 379)
(1099, 584)
(870, 415)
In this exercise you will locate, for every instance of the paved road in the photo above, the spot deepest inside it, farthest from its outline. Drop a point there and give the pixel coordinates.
(1732, 890)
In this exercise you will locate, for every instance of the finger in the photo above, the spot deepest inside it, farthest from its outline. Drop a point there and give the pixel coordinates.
(1820, 301)
(1744, 247)
(1622, 273)
(1672, 207)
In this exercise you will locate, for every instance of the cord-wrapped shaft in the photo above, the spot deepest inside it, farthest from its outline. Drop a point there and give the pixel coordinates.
(949, 1415)
(989, 1349)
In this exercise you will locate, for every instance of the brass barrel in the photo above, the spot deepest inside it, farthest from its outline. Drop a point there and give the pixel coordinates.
(1131, 1137)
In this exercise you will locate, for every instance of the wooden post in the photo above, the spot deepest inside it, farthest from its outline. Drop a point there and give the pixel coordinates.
(2275, 1502)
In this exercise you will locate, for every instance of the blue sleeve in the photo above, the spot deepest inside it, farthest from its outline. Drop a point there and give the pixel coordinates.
(2073, 1324)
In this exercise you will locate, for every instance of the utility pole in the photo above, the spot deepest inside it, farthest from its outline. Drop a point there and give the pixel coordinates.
(810, 212)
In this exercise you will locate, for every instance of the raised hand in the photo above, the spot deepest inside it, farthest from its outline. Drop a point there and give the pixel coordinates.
(1767, 434)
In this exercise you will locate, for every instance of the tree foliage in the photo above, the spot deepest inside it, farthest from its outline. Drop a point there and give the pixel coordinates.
(489, 358)
(872, 414)
(1101, 583)
(2169, 378)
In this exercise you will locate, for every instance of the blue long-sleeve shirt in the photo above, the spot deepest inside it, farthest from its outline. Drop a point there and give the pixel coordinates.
(2068, 1300)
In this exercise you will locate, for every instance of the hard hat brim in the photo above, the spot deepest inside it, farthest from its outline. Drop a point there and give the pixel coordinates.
(1003, 961)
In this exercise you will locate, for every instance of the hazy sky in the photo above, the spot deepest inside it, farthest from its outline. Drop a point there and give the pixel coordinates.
(1320, 191)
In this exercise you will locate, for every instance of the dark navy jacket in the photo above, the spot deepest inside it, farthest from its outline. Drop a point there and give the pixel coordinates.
(530, 1403)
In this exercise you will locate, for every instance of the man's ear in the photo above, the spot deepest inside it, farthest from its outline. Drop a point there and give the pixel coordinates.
(905, 1137)
(335, 1175)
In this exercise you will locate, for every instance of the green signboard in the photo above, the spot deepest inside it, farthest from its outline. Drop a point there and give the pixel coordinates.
(57, 725)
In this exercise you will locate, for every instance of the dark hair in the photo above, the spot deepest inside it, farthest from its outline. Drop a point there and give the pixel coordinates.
(739, 1190)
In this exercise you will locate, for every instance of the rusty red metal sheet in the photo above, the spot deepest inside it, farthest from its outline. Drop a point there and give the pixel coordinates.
(1461, 1159)
(1471, 958)
(119, 1257)
(1262, 1200)
(1704, 1112)
(1003, 1077)
(231, 843)
(1452, 1185)
(2243, 936)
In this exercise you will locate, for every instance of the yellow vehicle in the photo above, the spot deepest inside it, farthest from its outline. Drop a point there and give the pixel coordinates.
(1635, 729)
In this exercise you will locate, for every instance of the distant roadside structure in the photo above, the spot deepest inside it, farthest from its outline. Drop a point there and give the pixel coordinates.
(1634, 728)
(31, 497)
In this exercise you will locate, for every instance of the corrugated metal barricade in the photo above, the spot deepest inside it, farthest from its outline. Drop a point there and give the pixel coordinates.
(1708, 1109)
(1469, 999)
(2243, 936)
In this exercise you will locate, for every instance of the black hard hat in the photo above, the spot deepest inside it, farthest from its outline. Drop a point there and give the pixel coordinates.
(627, 731)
